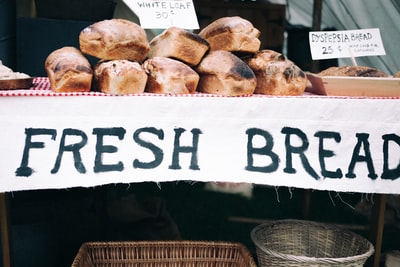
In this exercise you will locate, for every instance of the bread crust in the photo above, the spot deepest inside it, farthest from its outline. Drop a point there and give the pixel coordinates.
(119, 77)
(170, 76)
(276, 75)
(223, 73)
(115, 39)
(233, 34)
(353, 71)
(179, 44)
(68, 70)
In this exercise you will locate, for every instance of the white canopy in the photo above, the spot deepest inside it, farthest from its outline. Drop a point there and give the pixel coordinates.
(355, 14)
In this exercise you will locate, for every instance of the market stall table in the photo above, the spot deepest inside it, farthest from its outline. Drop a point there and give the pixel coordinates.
(64, 140)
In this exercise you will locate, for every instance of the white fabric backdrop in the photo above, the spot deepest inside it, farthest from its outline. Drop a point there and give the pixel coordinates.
(356, 14)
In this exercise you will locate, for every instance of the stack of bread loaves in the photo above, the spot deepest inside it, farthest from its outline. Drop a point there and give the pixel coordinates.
(119, 44)
(172, 55)
(223, 58)
(125, 65)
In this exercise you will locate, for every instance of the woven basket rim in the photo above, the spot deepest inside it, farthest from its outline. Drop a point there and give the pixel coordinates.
(239, 249)
(307, 259)
(163, 243)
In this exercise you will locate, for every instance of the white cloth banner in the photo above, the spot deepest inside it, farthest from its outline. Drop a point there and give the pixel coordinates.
(324, 143)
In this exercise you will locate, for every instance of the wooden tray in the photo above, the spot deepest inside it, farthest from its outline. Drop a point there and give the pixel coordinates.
(11, 84)
(353, 86)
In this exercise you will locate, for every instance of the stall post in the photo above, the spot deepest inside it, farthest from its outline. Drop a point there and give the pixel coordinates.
(316, 26)
(5, 231)
(376, 231)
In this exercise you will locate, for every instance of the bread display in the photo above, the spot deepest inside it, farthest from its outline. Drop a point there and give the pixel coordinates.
(233, 34)
(170, 76)
(68, 70)
(224, 59)
(115, 39)
(276, 75)
(353, 71)
(179, 44)
(223, 73)
(119, 77)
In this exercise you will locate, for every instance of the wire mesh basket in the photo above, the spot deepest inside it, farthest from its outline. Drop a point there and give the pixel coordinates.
(163, 254)
(306, 243)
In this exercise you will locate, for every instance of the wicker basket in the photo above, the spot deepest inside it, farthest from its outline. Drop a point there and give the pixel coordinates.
(305, 243)
(163, 254)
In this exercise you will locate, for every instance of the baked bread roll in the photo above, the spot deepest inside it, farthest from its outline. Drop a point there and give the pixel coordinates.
(353, 71)
(396, 75)
(170, 76)
(276, 75)
(119, 77)
(115, 39)
(233, 34)
(179, 44)
(7, 73)
(69, 70)
(4, 68)
(223, 73)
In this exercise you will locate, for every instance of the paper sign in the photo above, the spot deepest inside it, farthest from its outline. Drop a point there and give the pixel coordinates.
(164, 14)
(342, 44)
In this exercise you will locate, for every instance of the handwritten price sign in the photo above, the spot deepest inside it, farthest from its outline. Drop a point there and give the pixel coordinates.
(340, 44)
(155, 14)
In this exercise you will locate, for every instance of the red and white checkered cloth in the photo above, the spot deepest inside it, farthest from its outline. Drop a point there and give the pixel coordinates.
(41, 83)
(41, 87)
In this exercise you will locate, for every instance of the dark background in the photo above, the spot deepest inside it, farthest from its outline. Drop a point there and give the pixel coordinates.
(48, 226)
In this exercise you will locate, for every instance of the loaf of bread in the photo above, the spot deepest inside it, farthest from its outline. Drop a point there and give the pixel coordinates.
(170, 76)
(115, 39)
(276, 75)
(68, 70)
(10, 79)
(179, 44)
(396, 75)
(7, 73)
(223, 73)
(119, 77)
(353, 71)
(233, 34)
